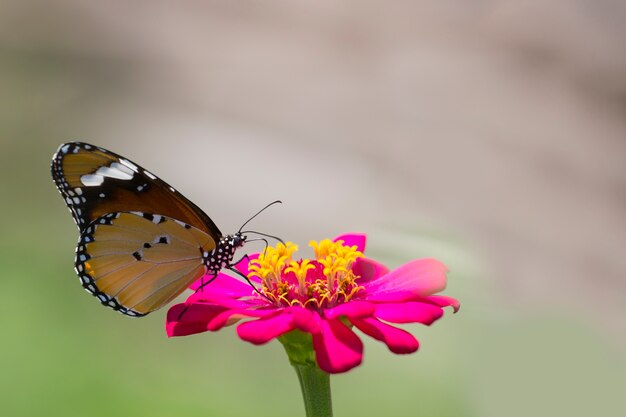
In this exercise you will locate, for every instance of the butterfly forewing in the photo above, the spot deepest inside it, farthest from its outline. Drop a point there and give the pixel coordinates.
(95, 182)
(137, 262)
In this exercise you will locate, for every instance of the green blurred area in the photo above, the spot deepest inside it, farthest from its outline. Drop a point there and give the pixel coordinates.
(61, 354)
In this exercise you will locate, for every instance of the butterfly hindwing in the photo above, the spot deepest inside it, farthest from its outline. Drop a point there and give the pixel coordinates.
(94, 182)
(137, 262)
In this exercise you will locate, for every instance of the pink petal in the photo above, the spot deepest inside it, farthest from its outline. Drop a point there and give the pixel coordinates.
(444, 301)
(305, 319)
(223, 284)
(230, 317)
(368, 269)
(350, 309)
(337, 348)
(353, 239)
(408, 312)
(193, 312)
(392, 297)
(174, 329)
(420, 277)
(397, 340)
(265, 329)
(183, 320)
(224, 301)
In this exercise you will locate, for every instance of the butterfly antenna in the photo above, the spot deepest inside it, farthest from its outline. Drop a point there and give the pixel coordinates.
(259, 212)
(267, 244)
(260, 239)
(263, 234)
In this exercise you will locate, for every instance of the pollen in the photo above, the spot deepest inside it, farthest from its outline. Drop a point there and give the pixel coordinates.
(317, 283)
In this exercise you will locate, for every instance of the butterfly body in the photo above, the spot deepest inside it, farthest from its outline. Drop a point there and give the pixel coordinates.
(141, 242)
(223, 254)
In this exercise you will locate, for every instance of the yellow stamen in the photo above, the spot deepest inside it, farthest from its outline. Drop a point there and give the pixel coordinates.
(300, 269)
(337, 285)
(270, 263)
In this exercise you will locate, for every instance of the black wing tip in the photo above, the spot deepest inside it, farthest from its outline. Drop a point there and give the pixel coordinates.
(75, 143)
(68, 147)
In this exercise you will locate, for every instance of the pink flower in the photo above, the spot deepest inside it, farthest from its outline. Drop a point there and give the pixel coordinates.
(327, 297)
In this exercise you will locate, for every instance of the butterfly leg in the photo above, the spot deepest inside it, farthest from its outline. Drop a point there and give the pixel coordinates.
(203, 284)
(180, 315)
(246, 257)
(241, 259)
(249, 282)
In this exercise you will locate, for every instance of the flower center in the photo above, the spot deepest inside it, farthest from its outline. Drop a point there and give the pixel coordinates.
(324, 282)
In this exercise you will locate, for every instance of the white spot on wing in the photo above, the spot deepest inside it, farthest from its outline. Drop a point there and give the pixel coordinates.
(65, 148)
(116, 170)
(129, 164)
(91, 180)
(150, 175)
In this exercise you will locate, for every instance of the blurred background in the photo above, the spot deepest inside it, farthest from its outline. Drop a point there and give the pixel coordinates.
(490, 134)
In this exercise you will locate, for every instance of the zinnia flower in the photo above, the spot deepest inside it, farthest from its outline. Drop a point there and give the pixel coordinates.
(327, 298)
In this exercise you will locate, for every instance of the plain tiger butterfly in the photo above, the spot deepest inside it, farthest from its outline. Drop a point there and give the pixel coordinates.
(142, 243)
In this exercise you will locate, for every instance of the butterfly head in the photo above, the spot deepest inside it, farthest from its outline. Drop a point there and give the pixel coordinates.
(238, 240)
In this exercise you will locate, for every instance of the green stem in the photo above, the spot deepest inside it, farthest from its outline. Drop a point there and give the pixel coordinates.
(315, 385)
(314, 382)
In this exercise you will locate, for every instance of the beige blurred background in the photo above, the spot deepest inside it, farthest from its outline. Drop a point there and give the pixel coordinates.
(489, 134)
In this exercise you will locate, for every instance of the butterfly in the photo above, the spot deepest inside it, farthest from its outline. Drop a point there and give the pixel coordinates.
(142, 243)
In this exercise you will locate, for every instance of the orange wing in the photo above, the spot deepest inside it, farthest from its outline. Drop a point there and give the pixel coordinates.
(137, 263)
(94, 182)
